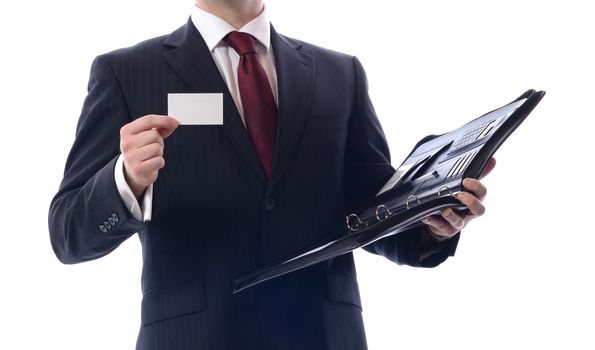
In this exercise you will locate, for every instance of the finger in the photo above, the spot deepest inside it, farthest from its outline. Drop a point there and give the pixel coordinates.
(146, 172)
(166, 132)
(454, 219)
(149, 151)
(476, 187)
(439, 226)
(143, 153)
(475, 206)
(130, 142)
(154, 163)
(489, 167)
(148, 122)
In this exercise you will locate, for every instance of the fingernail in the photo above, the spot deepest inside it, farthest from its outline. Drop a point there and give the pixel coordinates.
(470, 182)
(426, 220)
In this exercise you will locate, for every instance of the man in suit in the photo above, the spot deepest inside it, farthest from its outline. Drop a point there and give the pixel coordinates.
(207, 203)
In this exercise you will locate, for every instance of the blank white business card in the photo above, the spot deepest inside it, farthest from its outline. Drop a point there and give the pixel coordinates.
(196, 109)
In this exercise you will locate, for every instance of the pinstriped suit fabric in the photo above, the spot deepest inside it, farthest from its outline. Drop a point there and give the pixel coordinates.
(215, 216)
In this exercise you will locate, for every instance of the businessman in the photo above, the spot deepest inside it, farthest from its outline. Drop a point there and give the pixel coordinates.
(300, 146)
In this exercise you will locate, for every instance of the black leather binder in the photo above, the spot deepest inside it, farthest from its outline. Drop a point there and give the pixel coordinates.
(423, 185)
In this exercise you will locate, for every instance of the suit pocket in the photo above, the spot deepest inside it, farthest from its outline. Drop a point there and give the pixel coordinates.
(327, 121)
(343, 288)
(173, 300)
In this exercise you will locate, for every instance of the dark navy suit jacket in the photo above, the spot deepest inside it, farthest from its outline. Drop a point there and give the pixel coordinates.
(215, 216)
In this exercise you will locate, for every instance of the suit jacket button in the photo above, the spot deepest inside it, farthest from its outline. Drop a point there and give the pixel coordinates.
(269, 204)
(107, 225)
(115, 217)
(111, 221)
(102, 228)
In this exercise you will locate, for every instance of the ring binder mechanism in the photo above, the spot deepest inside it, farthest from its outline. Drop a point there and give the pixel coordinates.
(354, 226)
(436, 166)
(411, 197)
(446, 188)
(386, 211)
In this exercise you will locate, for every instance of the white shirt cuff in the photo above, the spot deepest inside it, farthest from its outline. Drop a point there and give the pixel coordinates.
(140, 212)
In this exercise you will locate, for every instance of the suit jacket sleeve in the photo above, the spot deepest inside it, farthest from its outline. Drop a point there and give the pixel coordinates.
(367, 163)
(87, 218)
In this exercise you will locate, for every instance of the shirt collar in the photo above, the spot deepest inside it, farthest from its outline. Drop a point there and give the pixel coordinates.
(213, 29)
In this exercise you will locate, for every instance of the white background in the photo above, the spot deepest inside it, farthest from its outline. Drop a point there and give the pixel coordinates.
(522, 274)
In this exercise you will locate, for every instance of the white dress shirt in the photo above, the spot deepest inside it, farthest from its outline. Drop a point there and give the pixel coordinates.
(213, 29)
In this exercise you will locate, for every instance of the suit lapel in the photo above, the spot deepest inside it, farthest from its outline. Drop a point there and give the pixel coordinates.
(193, 62)
(295, 79)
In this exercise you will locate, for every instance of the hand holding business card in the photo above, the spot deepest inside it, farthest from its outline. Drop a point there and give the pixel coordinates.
(196, 108)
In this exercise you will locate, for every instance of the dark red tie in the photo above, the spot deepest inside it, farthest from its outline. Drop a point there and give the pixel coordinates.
(260, 110)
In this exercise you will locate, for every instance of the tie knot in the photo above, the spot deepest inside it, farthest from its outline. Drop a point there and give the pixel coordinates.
(243, 43)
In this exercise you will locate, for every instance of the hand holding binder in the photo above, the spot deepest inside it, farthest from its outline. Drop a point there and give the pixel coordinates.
(451, 222)
(427, 182)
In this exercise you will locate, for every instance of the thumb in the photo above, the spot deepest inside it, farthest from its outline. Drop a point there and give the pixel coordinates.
(489, 167)
(167, 130)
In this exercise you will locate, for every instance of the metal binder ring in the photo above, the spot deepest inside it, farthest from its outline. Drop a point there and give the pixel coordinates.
(409, 198)
(387, 212)
(357, 224)
(444, 188)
